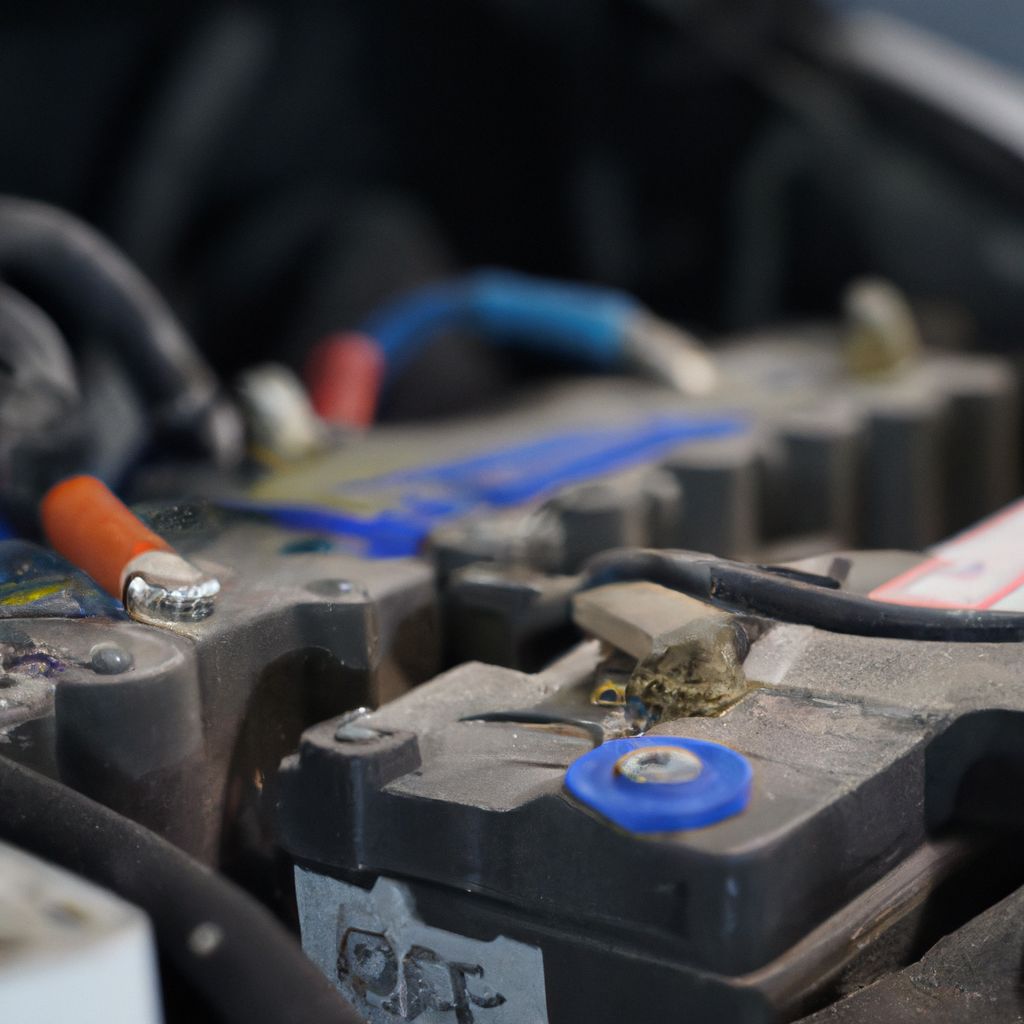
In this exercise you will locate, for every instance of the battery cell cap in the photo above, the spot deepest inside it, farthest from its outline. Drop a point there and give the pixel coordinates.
(92, 528)
(662, 783)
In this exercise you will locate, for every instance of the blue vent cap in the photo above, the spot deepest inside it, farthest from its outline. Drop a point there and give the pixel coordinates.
(662, 783)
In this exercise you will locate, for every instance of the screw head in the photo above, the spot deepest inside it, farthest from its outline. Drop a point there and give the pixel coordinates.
(109, 659)
(659, 765)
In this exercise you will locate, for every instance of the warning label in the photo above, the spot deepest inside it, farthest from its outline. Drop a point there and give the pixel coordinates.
(980, 568)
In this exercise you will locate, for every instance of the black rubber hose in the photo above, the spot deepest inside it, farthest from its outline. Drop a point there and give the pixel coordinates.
(230, 949)
(761, 591)
(43, 431)
(34, 359)
(86, 284)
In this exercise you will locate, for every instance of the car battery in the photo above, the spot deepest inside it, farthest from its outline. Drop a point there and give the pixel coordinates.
(705, 812)
(181, 725)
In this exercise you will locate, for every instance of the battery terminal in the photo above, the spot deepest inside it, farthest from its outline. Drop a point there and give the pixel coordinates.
(162, 585)
(92, 528)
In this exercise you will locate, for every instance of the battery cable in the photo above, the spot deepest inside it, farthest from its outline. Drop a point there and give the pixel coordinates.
(798, 598)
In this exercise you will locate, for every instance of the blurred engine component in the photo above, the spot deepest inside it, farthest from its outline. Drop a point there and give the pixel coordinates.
(68, 945)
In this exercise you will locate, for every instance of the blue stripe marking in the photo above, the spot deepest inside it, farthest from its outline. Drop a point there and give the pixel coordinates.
(423, 497)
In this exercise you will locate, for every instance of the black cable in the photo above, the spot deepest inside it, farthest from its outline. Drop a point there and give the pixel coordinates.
(43, 431)
(247, 967)
(84, 281)
(773, 594)
(34, 359)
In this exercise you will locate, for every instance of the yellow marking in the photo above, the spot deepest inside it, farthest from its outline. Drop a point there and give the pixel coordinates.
(608, 693)
(35, 594)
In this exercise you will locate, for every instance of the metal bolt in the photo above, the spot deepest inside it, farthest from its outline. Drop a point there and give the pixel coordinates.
(110, 660)
(350, 731)
(659, 765)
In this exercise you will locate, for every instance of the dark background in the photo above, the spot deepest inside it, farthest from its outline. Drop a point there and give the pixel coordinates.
(280, 169)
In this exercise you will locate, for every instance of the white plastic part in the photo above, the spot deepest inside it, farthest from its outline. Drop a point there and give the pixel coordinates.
(71, 952)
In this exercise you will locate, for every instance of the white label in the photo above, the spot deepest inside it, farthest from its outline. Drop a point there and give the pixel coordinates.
(980, 568)
(394, 968)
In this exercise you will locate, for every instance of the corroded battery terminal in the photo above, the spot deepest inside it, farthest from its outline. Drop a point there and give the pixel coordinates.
(92, 528)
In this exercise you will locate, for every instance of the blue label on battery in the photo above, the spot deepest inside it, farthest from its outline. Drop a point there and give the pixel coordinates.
(409, 503)
(36, 583)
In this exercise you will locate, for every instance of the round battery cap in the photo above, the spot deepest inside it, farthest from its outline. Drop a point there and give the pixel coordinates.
(662, 783)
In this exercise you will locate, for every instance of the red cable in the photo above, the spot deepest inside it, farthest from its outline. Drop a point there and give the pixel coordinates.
(344, 373)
